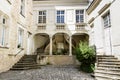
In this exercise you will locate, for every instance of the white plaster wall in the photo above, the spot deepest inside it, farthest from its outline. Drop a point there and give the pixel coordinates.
(51, 16)
(115, 26)
(99, 29)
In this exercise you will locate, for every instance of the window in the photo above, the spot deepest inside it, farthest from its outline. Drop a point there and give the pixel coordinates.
(3, 32)
(22, 10)
(42, 17)
(79, 16)
(20, 37)
(60, 16)
(106, 20)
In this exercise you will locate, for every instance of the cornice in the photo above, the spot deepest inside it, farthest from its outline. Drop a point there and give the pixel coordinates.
(91, 20)
(93, 5)
(104, 8)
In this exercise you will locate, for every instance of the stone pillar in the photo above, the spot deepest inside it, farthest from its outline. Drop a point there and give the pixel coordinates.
(50, 46)
(70, 46)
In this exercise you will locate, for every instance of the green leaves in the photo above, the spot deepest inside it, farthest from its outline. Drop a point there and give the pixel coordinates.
(85, 54)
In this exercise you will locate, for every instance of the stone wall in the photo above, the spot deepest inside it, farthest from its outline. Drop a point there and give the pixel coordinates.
(11, 9)
(57, 60)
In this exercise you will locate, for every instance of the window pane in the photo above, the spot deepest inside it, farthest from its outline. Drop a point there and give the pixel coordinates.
(77, 11)
(58, 19)
(44, 12)
(40, 19)
(62, 19)
(81, 11)
(77, 18)
(44, 19)
(62, 12)
(58, 12)
(40, 12)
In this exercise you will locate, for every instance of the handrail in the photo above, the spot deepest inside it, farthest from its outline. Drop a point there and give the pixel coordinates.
(21, 49)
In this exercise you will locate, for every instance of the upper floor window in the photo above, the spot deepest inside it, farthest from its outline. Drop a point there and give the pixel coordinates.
(42, 17)
(60, 16)
(3, 31)
(22, 8)
(79, 16)
(106, 20)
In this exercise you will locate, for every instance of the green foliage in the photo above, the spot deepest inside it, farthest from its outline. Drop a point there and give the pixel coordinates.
(85, 55)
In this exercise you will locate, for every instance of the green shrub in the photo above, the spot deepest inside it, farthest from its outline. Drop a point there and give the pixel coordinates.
(85, 55)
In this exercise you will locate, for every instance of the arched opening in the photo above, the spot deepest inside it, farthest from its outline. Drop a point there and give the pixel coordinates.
(60, 44)
(41, 41)
(77, 38)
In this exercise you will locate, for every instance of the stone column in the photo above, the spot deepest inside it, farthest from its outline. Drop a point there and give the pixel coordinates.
(70, 46)
(50, 45)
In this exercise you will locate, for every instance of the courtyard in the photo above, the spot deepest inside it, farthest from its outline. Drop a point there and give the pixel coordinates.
(49, 72)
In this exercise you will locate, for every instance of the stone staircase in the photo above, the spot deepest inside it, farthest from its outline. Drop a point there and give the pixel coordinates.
(108, 68)
(26, 62)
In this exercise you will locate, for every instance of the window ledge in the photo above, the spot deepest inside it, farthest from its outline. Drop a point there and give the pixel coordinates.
(4, 47)
(41, 24)
(82, 24)
(60, 24)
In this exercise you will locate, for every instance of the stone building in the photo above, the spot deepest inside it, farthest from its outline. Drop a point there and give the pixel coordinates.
(54, 27)
(15, 31)
(103, 17)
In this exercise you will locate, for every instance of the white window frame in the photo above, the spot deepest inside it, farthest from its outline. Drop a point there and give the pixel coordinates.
(20, 37)
(60, 16)
(79, 14)
(42, 17)
(4, 31)
(106, 20)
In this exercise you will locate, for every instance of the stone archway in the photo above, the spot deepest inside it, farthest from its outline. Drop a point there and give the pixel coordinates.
(60, 44)
(77, 38)
(41, 41)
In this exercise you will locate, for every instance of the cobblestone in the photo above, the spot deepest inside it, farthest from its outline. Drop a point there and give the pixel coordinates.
(47, 73)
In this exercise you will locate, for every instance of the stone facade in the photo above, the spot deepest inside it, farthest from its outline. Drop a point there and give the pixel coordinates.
(21, 33)
(10, 9)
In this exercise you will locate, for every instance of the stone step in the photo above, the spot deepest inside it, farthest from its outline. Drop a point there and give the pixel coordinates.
(26, 68)
(23, 63)
(108, 69)
(109, 66)
(105, 56)
(98, 77)
(108, 60)
(110, 63)
(107, 75)
(108, 72)
(26, 62)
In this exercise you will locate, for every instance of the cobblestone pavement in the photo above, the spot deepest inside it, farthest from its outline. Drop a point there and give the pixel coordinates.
(47, 73)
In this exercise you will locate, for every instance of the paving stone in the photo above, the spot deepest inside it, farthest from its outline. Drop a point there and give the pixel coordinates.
(47, 73)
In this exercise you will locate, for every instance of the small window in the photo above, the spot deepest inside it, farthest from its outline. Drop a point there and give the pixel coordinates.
(4, 33)
(79, 16)
(60, 16)
(22, 8)
(20, 38)
(42, 17)
(3, 20)
(106, 20)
